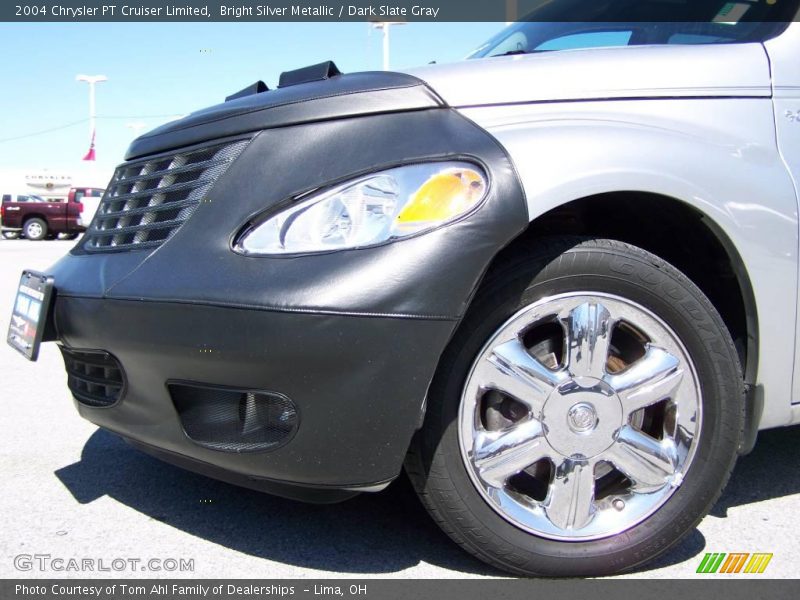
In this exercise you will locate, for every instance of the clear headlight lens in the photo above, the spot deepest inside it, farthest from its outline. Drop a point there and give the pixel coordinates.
(389, 204)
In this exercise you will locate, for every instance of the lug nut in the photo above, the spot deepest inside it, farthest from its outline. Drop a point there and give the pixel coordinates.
(618, 503)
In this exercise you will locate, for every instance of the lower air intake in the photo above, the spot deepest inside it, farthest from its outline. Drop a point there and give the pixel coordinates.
(94, 377)
(231, 420)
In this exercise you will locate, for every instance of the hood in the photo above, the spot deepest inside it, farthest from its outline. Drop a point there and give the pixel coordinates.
(719, 70)
(334, 98)
(729, 70)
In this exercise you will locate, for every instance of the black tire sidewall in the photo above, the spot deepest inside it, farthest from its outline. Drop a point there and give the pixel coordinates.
(613, 268)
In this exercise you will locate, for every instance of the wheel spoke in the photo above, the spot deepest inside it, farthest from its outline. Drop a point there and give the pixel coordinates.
(511, 369)
(588, 337)
(570, 499)
(650, 379)
(500, 454)
(647, 462)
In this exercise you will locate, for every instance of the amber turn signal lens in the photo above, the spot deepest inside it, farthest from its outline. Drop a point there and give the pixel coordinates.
(444, 196)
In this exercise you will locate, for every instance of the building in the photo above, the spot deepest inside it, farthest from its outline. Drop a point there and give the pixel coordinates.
(52, 184)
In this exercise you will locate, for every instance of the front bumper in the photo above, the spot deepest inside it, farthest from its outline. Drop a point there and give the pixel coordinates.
(352, 338)
(358, 382)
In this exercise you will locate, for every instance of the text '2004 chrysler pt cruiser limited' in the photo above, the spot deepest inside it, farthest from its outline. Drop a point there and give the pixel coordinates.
(557, 283)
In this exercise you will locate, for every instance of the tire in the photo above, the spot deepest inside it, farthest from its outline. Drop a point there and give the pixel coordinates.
(11, 235)
(589, 506)
(35, 229)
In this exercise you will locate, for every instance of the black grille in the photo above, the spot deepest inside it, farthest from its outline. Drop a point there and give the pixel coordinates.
(147, 201)
(94, 377)
(232, 420)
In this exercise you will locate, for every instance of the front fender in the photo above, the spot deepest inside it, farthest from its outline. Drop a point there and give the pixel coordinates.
(716, 155)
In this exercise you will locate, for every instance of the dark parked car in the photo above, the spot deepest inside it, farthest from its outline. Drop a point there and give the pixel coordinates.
(36, 219)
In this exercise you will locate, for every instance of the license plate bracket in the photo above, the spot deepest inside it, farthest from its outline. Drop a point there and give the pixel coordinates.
(30, 314)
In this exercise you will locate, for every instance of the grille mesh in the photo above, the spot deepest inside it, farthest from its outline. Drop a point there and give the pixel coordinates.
(147, 201)
(94, 378)
(234, 420)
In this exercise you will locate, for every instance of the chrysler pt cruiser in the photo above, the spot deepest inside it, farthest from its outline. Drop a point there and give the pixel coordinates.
(557, 282)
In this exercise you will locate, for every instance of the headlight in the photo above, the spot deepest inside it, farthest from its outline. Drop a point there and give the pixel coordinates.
(382, 206)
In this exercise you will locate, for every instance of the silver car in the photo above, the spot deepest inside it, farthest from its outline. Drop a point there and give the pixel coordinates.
(557, 282)
(633, 341)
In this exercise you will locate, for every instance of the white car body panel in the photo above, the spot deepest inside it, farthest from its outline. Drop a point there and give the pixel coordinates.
(785, 54)
(695, 123)
(90, 206)
(599, 73)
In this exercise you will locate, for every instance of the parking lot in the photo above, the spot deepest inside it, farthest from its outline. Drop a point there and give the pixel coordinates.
(73, 491)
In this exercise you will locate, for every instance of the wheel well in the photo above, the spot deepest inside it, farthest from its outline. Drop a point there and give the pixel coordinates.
(33, 216)
(675, 232)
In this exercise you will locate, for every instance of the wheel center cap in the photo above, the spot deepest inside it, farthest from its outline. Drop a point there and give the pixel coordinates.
(581, 417)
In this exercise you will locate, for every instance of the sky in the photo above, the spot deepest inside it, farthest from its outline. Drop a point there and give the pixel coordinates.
(159, 71)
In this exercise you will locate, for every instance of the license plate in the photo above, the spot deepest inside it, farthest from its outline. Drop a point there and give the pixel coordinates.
(30, 312)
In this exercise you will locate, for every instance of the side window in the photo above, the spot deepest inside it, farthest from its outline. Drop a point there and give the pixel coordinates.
(97, 193)
(693, 38)
(22, 198)
(6, 197)
(516, 42)
(79, 194)
(589, 39)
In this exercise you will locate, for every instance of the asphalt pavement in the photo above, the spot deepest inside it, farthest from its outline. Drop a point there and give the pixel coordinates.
(72, 491)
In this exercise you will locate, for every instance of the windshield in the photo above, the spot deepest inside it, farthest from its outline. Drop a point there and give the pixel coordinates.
(572, 24)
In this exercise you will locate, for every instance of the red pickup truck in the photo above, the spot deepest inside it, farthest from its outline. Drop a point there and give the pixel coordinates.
(33, 217)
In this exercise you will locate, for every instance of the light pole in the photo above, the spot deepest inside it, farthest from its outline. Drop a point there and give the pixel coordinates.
(92, 80)
(385, 26)
(511, 11)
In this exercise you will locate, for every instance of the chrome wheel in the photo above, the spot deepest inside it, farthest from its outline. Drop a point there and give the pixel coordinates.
(580, 416)
(34, 230)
